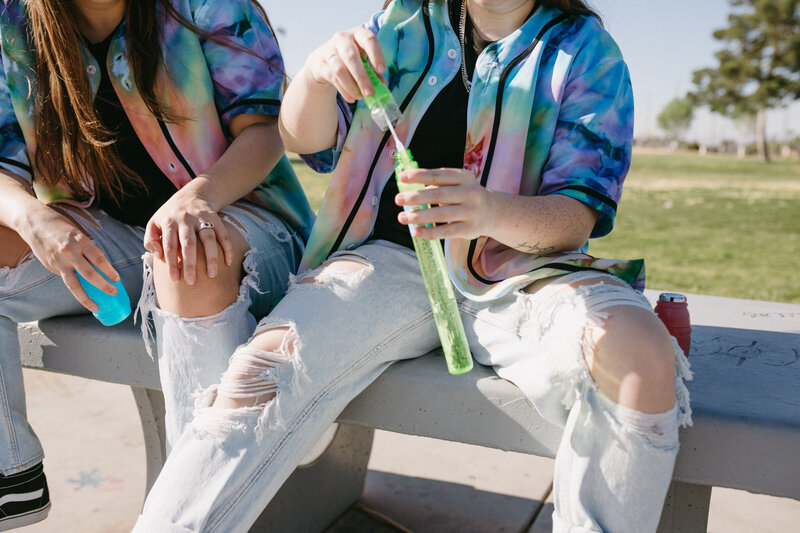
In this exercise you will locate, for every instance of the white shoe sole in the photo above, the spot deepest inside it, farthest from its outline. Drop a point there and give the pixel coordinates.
(13, 522)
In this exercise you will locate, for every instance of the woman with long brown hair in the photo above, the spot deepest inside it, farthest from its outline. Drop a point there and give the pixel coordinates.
(129, 128)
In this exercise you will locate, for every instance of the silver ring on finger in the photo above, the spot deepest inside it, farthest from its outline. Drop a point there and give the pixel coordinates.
(204, 225)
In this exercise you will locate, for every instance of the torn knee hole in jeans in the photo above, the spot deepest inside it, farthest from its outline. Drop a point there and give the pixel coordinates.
(252, 376)
(562, 321)
(148, 307)
(255, 381)
(347, 270)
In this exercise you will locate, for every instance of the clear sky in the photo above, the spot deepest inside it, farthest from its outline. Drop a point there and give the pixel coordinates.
(663, 41)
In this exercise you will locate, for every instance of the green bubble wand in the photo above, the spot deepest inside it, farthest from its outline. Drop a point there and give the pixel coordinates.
(385, 113)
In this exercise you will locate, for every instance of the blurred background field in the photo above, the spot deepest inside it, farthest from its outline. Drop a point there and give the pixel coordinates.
(709, 224)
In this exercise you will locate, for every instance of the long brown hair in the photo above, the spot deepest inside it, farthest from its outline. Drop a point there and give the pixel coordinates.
(71, 142)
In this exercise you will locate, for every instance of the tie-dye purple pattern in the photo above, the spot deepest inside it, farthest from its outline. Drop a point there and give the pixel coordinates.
(566, 127)
(206, 83)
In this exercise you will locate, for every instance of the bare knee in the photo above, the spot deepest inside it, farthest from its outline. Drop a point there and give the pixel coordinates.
(207, 295)
(633, 359)
(12, 248)
(252, 375)
(628, 351)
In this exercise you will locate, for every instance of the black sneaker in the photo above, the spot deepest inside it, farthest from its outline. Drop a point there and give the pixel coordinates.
(23, 498)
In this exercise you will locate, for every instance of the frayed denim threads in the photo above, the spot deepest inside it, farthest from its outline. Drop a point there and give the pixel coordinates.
(193, 352)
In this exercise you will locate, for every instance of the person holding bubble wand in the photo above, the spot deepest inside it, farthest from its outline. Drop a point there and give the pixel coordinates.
(520, 116)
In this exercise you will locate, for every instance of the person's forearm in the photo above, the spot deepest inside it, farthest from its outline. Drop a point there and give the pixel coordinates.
(309, 117)
(464, 209)
(249, 158)
(539, 224)
(17, 202)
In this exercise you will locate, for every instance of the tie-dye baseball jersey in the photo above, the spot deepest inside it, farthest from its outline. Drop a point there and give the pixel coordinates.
(550, 112)
(205, 83)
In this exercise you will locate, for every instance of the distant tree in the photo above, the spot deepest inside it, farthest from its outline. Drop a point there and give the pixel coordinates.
(759, 66)
(676, 117)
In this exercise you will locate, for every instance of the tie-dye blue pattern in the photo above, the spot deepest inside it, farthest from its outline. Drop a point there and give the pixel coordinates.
(203, 81)
(565, 127)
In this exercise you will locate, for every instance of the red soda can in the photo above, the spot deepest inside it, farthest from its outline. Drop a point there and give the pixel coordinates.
(673, 310)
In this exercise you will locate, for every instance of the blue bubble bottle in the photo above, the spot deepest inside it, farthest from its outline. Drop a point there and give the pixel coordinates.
(111, 309)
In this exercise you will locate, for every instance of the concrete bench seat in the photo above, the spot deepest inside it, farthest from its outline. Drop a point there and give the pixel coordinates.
(745, 397)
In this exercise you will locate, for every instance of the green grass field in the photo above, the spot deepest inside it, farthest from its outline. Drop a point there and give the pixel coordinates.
(713, 225)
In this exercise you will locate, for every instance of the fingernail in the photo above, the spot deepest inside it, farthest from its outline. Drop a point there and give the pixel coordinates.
(94, 308)
(368, 91)
(228, 262)
(114, 291)
(212, 273)
(190, 280)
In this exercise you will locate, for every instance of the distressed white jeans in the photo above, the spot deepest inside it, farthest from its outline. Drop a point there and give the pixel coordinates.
(193, 352)
(613, 466)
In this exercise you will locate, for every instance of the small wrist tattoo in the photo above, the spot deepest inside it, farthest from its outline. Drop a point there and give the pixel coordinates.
(534, 248)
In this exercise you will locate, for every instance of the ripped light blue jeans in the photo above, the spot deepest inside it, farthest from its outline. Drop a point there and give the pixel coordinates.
(30, 292)
(193, 352)
(343, 329)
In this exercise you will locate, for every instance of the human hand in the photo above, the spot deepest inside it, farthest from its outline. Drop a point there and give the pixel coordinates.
(63, 249)
(463, 206)
(337, 62)
(172, 233)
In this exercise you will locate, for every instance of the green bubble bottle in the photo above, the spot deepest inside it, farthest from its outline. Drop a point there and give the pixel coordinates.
(385, 112)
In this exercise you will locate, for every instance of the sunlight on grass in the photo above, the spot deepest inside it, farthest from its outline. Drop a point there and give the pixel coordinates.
(314, 184)
(713, 225)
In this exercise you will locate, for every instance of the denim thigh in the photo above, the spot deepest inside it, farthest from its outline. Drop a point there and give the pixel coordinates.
(275, 251)
(28, 292)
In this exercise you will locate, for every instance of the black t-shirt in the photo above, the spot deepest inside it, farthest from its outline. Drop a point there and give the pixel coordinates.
(439, 139)
(138, 203)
